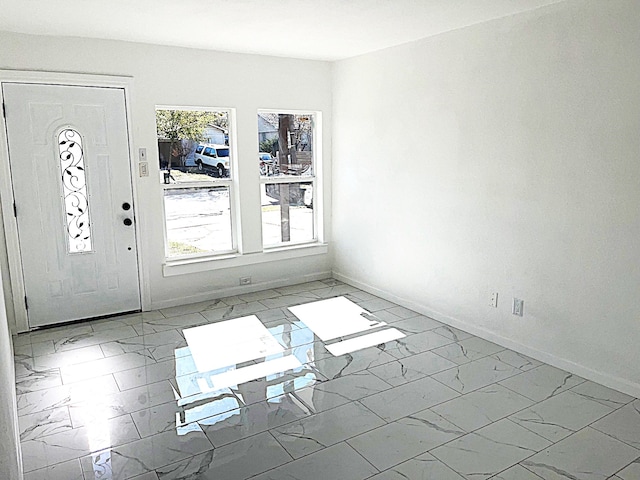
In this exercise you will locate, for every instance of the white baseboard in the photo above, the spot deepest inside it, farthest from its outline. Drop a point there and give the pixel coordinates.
(603, 378)
(239, 290)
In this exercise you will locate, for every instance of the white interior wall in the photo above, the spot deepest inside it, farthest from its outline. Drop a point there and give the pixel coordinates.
(502, 157)
(10, 457)
(188, 77)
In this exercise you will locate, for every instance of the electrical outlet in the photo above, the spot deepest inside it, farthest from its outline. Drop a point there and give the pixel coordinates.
(518, 307)
(493, 300)
(245, 280)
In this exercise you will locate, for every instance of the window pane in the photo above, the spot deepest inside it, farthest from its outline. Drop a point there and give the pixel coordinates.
(287, 213)
(286, 144)
(198, 220)
(193, 144)
(74, 187)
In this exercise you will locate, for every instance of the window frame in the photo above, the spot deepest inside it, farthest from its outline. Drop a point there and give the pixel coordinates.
(231, 183)
(315, 179)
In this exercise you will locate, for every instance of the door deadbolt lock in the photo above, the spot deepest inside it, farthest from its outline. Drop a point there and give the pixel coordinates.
(126, 206)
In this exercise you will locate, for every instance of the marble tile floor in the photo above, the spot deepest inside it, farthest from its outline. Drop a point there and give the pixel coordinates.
(130, 398)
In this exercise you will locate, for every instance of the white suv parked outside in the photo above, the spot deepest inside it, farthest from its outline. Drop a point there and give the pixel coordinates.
(213, 155)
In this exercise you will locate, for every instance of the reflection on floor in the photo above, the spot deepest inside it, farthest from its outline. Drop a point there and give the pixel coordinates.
(352, 387)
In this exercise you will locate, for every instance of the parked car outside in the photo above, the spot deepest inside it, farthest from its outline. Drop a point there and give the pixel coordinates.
(213, 155)
(268, 164)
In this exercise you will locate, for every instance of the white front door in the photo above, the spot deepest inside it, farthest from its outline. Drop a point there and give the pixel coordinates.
(70, 170)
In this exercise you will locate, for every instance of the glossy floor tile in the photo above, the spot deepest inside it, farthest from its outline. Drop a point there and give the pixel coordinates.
(259, 386)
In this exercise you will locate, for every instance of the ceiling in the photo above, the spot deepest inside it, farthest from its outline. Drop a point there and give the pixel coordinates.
(314, 29)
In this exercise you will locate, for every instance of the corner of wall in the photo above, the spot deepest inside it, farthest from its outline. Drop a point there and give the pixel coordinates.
(10, 453)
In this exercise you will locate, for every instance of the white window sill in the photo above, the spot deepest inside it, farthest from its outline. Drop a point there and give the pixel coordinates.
(203, 264)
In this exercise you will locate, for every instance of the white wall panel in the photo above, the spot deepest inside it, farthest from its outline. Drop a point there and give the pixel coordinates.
(513, 166)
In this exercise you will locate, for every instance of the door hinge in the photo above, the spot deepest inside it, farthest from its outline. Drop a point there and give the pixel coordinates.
(15, 210)
(26, 305)
(4, 110)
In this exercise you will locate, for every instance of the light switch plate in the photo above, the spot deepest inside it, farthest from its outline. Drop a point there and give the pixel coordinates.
(518, 307)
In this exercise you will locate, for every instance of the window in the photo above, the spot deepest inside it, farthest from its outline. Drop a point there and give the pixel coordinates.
(198, 179)
(74, 188)
(287, 177)
(202, 191)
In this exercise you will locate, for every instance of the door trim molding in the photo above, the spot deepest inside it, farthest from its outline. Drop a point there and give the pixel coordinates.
(13, 260)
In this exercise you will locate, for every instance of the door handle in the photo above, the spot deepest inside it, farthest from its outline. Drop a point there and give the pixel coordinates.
(128, 222)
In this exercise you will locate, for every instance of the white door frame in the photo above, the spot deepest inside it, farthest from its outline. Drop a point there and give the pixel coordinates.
(14, 256)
